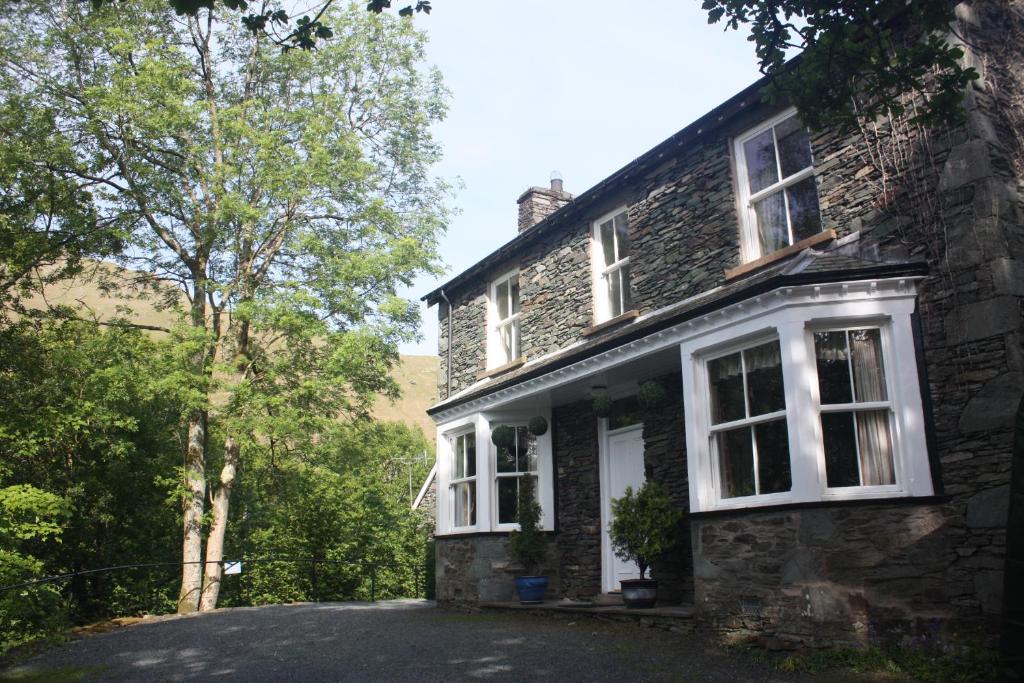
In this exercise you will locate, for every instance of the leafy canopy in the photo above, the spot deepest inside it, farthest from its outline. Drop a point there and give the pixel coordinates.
(859, 58)
(643, 525)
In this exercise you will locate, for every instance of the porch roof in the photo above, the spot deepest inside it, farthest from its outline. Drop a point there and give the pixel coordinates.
(805, 268)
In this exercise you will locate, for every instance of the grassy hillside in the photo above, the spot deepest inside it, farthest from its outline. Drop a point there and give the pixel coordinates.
(416, 375)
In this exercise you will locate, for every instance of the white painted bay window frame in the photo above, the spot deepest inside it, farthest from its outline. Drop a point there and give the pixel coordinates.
(602, 273)
(496, 354)
(750, 244)
(480, 425)
(794, 326)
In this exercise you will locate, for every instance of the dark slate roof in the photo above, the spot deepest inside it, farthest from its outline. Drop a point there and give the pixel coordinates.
(841, 263)
(576, 208)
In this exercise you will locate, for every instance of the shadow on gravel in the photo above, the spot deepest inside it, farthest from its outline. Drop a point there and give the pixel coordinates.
(395, 641)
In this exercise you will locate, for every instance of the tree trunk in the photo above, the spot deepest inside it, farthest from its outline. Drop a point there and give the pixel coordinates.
(192, 514)
(215, 541)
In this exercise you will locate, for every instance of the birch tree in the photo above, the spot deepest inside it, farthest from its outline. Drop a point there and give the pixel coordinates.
(287, 194)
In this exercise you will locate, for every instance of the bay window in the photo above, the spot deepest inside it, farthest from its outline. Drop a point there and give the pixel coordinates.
(778, 196)
(748, 421)
(462, 488)
(855, 408)
(512, 463)
(815, 397)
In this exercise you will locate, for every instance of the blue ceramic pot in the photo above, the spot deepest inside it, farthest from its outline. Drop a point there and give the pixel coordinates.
(531, 589)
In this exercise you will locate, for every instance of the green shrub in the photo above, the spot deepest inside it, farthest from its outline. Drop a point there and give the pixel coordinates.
(644, 524)
(528, 544)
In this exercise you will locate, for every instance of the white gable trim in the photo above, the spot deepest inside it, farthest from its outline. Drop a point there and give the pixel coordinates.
(867, 291)
(426, 486)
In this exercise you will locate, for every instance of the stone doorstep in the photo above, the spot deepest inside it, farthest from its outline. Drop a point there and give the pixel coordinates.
(682, 613)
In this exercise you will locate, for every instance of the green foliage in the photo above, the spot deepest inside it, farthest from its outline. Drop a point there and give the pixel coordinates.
(958, 663)
(858, 60)
(538, 425)
(651, 395)
(602, 406)
(644, 524)
(528, 544)
(503, 436)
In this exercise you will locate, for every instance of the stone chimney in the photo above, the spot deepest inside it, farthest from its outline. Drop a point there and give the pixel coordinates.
(538, 203)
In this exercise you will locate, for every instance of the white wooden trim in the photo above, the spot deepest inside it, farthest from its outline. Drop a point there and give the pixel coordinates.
(873, 298)
(495, 357)
(425, 487)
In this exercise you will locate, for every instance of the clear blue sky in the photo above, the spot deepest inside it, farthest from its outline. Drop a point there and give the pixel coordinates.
(578, 86)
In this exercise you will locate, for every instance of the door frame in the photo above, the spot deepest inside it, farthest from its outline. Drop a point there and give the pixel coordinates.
(604, 474)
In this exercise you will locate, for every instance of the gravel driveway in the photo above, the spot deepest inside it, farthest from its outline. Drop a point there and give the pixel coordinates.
(384, 641)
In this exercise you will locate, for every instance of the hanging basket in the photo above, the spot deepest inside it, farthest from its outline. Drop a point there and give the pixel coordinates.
(652, 396)
(503, 436)
(538, 426)
(602, 406)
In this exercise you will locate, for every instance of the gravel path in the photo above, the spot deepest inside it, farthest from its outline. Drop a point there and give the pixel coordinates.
(385, 641)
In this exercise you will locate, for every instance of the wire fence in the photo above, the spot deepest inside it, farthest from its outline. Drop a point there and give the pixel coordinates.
(384, 578)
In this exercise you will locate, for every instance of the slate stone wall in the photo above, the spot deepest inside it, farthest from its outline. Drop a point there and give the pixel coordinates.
(476, 568)
(665, 463)
(579, 499)
(954, 198)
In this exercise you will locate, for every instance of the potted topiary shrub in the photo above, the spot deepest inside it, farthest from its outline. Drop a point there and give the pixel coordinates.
(528, 545)
(503, 436)
(602, 406)
(643, 525)
(652, 395)
(538, 425)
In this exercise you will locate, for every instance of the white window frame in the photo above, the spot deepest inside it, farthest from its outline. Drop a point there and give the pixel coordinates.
(757, 499)
(794, 326)
(496, 475)
(601, 272)
(495, 352)
(453, 482)
(750, 244)
(480, 424)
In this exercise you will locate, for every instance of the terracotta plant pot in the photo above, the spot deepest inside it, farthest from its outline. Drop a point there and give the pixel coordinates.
(639, 593)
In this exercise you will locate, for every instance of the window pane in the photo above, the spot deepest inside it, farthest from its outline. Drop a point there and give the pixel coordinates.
(614, 294)
(833, 367)
(804, 216)
(725, 375)
(627, 300)
(759, 155)
(625, 412)
(875, 447)
(868, 371)
(505, 334)
(773, 456)
(501, 297)
(607, 242)
(514, 294)
(840, 450)
(470, 447)
(523, 444)
(794, 146)
(465, 504)
(772, 231)
(764, 379)
(506, 459)
(508, 503)
(735, 462)
(622, 235)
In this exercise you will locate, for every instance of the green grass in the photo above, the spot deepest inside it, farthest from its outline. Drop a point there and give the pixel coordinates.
(965, 664)
(61, 674)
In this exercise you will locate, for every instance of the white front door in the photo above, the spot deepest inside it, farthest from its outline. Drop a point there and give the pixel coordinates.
(622, 465)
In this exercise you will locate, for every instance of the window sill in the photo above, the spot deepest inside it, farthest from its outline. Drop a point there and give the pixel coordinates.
(824, 503)
(628, 316)
(518, 362)
(744, 268)
(455, 535)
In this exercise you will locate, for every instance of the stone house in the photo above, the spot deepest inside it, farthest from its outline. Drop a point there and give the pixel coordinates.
(836, 318)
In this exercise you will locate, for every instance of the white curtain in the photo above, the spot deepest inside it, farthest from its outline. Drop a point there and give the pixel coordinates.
(872, 425)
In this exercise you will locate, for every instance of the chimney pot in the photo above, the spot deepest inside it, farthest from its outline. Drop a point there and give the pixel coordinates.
(537, 203)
